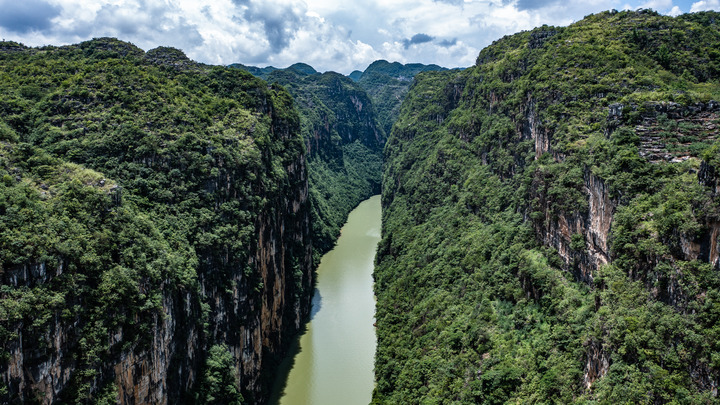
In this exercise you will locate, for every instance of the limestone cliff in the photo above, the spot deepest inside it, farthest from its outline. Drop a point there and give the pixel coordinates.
(151, 207)
(550, 220)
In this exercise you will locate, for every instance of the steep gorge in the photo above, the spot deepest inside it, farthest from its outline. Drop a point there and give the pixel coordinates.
(344, 143)
(550, 219)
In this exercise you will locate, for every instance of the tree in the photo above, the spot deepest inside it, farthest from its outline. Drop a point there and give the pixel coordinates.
(220, 382)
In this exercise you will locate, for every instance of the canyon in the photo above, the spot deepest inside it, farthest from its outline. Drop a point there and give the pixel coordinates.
(550, 218)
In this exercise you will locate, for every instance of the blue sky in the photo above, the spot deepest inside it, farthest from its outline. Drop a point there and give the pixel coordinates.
(339, 35)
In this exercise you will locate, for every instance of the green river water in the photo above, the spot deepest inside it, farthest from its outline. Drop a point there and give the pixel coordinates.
(332, 363)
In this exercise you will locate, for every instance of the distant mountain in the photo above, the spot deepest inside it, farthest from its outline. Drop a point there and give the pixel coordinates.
(303, 68)
(355, 75)
(255, 71)
(398, 71)
(264, 73)
(387, 84)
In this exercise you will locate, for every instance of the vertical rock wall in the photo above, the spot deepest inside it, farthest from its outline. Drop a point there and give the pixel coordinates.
(250, 294)
(254, 321)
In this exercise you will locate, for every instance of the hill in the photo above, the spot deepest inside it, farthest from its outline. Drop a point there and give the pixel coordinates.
(254, 70)
(387, 84)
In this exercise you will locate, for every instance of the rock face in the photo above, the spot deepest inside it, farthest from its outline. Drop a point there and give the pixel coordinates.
(707, 247)
(210, 243)
(688, 124)
(257, 330)
(593, 227)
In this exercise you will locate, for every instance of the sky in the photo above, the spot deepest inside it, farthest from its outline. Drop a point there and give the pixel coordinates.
(337, 35)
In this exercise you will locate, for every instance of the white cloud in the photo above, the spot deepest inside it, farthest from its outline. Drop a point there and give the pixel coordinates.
(705, 5)
(657, 5)
(675, 11)
(340, 35)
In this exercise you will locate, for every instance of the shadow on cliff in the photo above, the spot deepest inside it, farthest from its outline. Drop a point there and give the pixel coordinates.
(283, 370)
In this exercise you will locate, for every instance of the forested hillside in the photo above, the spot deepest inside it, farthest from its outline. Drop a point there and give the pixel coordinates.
(387, 84)
(551, 220)
(154, 227)
(344, 144)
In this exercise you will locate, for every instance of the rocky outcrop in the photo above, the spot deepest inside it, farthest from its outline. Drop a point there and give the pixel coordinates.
(709, 177)
(694, 122)
(172, 58)
(43, 377)
(539, 37)
(580, 238)
(667, 130)
(597, 363)
(709, 244)
(169, 367)
(531, 128)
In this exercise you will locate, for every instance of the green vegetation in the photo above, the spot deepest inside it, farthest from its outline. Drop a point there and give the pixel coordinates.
(387, 84)
(344, 143)
(484, 165)
(131, 188)
(220, 381)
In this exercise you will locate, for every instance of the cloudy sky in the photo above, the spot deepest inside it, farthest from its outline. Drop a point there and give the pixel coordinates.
(339, 35)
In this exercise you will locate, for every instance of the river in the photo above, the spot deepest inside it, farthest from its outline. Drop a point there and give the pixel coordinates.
(332, 363)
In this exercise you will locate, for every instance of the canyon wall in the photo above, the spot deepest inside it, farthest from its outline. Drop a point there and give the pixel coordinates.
(344, 142)
(156, 208)
(550, 220)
